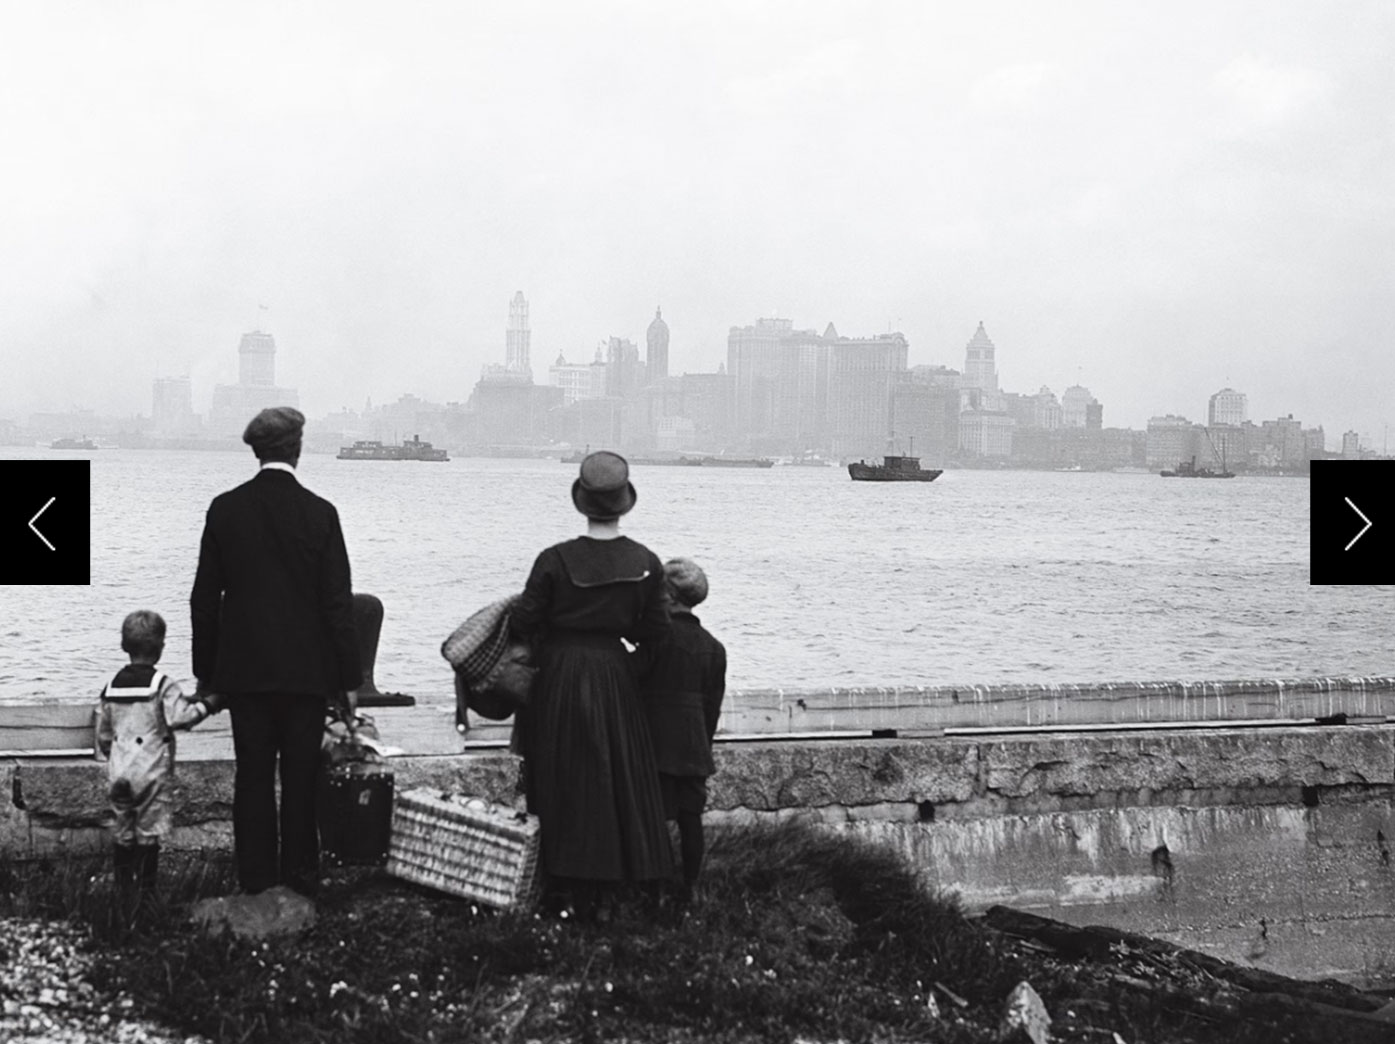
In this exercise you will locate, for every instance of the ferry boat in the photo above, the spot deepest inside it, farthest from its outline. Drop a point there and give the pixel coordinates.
(83, 443)
(810, 460)
(893, 469)
(735, 462)
(371, 450)
(684, 461)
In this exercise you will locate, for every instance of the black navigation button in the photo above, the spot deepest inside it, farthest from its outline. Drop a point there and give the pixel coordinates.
(1352, 524)
(45, 523)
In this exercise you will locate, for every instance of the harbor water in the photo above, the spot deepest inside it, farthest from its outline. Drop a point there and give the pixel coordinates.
(979, 577)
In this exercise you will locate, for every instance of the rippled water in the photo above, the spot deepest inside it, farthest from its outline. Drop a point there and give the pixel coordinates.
(816, 580)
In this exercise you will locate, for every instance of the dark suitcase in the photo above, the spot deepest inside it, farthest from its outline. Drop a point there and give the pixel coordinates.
(355, 813)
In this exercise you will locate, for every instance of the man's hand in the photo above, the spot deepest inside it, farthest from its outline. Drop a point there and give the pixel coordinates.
(212, 700)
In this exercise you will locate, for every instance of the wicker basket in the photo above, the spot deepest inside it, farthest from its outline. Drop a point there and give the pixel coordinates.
(466, 847)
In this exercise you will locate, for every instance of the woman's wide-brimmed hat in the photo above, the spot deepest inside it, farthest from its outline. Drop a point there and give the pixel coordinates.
(603, 489)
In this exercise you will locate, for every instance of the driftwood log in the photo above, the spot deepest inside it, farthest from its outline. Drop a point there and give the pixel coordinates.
(1173, 978)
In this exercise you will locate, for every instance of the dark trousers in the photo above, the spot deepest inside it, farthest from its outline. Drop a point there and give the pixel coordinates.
(265, 727)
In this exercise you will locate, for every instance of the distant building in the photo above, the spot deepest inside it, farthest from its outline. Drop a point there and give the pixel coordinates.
(799, 390)
(935, 376)
(986, 433)
(1285, 441)
(1170, 441)
(577, 380)
(925, 418)
(780, 387)
(656, 349)
(518, 338)
(1089, 448)
(235, 404)
(172, 407)
(1075, 406)
(862, 372)
(1351, 445)
(256, 360)
(1046, 409)
(690, 412)
(980, 367)
(1316, 441)
(1094, 416)
(624, 372)
(1227, 406)
(514, 413)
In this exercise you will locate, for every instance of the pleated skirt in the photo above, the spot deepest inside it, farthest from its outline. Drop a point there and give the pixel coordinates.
(590, 769)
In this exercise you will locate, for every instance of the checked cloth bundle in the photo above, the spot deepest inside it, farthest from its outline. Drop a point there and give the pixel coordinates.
(475, 648)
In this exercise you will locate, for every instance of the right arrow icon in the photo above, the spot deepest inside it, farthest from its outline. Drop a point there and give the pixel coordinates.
(1363, 519)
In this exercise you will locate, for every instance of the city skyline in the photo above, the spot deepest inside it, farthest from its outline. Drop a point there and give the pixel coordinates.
(1148, 203)
(780, 390)
(512, 360)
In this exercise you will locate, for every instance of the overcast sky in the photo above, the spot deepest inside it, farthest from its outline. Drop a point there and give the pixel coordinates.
(1153, 200)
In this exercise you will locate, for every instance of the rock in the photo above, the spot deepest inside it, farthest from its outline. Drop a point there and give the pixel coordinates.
(276, 911)
(932, 1006)
(1025, 1016)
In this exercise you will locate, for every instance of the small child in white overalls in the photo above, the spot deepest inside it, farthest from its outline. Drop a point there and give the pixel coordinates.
(139, 710)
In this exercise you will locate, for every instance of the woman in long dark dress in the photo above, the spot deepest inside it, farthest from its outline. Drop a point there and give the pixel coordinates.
(591, 777)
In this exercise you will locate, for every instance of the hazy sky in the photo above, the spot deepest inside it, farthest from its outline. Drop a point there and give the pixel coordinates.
(1154, 200)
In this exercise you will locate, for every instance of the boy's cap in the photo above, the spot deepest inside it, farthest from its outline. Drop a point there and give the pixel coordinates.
(686, 580)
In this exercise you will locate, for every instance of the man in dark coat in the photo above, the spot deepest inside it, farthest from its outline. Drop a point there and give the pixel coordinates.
(273, 634)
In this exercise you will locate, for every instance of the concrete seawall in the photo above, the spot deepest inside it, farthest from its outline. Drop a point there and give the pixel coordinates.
(1269, 845)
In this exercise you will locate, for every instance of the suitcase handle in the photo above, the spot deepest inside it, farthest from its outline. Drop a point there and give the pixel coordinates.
(483, 805)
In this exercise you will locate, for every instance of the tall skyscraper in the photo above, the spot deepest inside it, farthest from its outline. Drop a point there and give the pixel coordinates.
(656, 348)
(1227, 406)
(980, 370)
(518, 336)
(798, 390)
(622, 368)
(256, 359)
(862, 373)
(235, 404)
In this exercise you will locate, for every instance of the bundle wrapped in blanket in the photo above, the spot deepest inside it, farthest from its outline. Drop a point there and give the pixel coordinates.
(493, 670)
(352, 737)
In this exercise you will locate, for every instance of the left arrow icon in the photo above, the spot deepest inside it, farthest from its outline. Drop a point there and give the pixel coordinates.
(36, 528)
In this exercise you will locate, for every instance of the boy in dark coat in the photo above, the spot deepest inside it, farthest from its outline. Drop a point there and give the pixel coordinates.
(684, 682)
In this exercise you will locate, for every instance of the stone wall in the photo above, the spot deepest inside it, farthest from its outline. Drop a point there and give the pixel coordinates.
(1269, 845)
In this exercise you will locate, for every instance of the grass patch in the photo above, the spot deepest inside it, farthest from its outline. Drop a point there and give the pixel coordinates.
(797, 934)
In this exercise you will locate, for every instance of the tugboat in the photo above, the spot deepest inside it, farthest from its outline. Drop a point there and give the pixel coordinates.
(1188, 469)
(893, 468)
(371, 450)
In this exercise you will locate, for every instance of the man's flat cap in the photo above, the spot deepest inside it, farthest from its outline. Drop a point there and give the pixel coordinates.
(275, 428)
